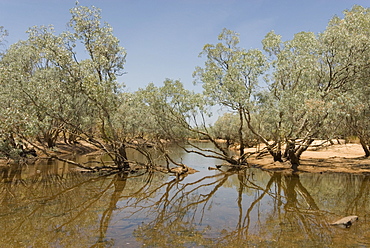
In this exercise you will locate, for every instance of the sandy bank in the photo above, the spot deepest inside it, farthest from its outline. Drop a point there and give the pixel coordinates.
(345, 158)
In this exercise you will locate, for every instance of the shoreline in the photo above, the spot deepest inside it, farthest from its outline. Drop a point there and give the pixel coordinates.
(337, 158)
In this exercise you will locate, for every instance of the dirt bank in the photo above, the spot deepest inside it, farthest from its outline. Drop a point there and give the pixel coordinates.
(342, 158)
(345, 158)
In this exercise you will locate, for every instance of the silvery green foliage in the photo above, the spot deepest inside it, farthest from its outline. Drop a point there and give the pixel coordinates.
(312, 75)
(230, 73)
(172, 109)
(314, 86)
(230, 77)
(345, 58)
(347, 53)
(3, 34)
(293, 97)
(314, 82)
(47, 90)
(106, 62)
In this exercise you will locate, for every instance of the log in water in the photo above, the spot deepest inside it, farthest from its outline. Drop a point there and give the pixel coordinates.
(346, 221)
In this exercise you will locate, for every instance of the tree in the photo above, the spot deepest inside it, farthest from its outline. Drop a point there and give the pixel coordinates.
(312, 76)
(60, 93)
(16, 115)
(180, 116)
(306, 77)
(3, 34)
(347, 56)
(39, 87)
(99, 75)
(230, 76)
(293, 105)
(225, 128)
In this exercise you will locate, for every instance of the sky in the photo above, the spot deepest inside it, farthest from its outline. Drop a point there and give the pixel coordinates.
(163, 38)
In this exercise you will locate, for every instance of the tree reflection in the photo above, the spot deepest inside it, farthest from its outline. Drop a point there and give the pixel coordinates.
(301, 213)
(178, 212)
(49, 209)
(360, 201)
(119, 182)
(230, 208)
(295, 217)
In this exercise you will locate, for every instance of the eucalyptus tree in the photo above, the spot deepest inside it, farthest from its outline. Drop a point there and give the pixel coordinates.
(344, 51)
(8, 147)
(354, 114)
(312, 74)
(294, 109)
(57, 92)
(279, 115)
(230, 77)
(346, 60)
(3, 34)
(225, 128)
(170, 110)
(358, 112)
(40, 89)
(304, 75)
(170, 113)
(308, 77)
(179, 116)
(106, 59)
(16, 115)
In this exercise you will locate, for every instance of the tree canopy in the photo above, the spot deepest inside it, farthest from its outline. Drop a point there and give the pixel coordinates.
(285, 95)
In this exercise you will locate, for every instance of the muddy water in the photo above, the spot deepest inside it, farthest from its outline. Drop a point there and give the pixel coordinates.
(48, 205)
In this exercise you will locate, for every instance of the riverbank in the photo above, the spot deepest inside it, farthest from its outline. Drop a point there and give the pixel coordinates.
(340, 158)
(320, 158)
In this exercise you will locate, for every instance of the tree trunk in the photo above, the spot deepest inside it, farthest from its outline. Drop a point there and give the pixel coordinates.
(365, 147)
(240, 132)
(121, 158)
(304, 147)
(50, 138)
(277, 156)
(278, 153)
(292, 156)
(228, 142)
(294, 160)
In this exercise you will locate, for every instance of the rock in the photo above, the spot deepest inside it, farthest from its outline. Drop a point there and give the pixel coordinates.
(346, 221)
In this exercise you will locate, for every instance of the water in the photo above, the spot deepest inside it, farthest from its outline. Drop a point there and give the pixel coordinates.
(48, 205)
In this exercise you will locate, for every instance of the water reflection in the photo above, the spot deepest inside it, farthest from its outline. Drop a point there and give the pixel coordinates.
(47, 205)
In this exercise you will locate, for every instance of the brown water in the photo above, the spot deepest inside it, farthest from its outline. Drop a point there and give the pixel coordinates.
(47, 205)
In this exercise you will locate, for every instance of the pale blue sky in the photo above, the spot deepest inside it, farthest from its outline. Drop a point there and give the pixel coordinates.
(164, 37)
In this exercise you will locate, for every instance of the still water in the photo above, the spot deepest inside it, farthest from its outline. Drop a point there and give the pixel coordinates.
(49, 205)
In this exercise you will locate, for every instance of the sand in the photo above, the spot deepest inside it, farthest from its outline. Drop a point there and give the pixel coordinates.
(341, 158)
